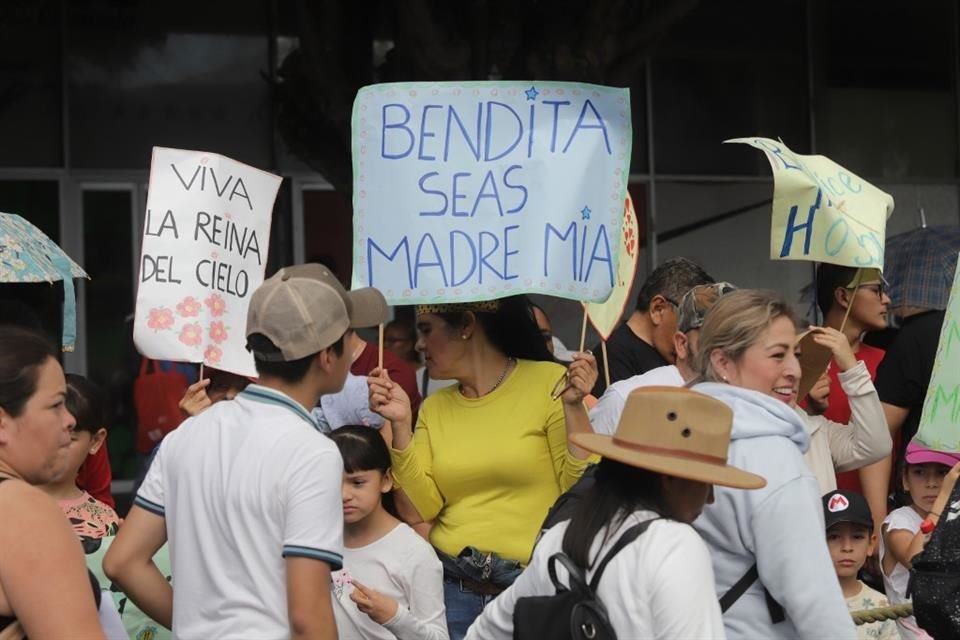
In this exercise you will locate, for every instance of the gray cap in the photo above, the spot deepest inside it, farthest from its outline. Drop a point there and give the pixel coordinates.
(304, 309)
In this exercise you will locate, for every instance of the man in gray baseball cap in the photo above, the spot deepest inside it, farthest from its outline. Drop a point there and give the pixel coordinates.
(249, 491)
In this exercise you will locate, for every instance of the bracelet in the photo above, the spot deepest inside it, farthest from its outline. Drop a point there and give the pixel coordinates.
(933, 513)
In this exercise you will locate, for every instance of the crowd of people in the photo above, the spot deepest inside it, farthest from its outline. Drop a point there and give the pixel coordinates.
(435, 495)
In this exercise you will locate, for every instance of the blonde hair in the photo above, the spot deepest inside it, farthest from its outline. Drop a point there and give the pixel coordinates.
(733, 324)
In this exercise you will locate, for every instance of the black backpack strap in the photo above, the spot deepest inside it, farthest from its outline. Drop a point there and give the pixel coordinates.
(775, 609)
(425, 381)
(739, 588)
(628, 536)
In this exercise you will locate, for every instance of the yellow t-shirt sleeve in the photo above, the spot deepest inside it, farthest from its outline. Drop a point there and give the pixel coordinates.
(412, 469)
(567, 468)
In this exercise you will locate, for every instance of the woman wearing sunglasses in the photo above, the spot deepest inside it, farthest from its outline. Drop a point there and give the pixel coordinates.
(490, 454)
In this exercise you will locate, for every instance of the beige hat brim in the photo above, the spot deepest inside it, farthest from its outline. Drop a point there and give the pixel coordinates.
(368, 308)
(680, 467)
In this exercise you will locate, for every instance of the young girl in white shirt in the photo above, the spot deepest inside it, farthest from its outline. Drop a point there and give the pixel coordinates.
(924, 479)
(391, 585)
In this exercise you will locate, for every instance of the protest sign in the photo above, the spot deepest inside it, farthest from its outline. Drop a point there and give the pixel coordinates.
(478, 190)
(205, 240)
(822, 211)
(604, 316)
(814, 359)
(940, 421)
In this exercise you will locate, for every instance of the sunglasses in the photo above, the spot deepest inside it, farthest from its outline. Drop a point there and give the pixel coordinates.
(562, 385)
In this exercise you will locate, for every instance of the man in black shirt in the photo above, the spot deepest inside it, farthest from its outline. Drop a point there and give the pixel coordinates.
(902, 380)
(645, 340)
(904, 374)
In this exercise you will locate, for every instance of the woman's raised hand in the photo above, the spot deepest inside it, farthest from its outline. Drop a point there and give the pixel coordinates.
(388, 398)
(838, 344)
(581, 376)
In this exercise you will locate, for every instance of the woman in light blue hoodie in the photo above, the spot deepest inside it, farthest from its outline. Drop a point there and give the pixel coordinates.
(746, 359)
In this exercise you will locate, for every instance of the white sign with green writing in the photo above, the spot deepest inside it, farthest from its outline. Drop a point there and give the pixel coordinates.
(940, 421)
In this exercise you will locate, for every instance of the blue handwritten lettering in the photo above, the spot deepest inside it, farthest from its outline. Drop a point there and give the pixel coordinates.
(458, 196)
(793, 227)
(838, 246)
(488, 179)
(847, 181)
(473, 145)
(778, 152)
(875, 257)
(424, 134)
(486, 147)
(399, 125)
(507, 253)
(442, 210)
(518, 187)
(372, 246)
(599, 125)
(606, 256)
(453, 257)
(549, 230)
(421, 264)
(556, 104)
(484, 255)
(530, 133)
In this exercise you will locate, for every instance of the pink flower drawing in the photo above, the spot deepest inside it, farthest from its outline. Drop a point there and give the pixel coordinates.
(191, 334)
(212, 354)
(216, 305)
(189, 307)
(160, 319)
(218, 332)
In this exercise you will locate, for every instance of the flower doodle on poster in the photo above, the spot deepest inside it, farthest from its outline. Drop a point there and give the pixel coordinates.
(191, 334)
(160, 319)
(218, 332)
(216, 305)
(189, 307)
(212, 354)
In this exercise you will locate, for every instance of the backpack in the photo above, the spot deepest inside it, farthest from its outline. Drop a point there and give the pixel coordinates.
(935, 576)
(562, 510)
(156, 396)
(574, 612)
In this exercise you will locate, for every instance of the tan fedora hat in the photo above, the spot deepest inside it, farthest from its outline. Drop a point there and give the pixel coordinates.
(674, 431)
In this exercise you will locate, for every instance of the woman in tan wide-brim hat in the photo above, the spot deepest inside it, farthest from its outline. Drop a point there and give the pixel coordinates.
(669, 449)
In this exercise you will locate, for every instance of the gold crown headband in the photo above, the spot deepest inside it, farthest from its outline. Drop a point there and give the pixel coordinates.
(487, 306)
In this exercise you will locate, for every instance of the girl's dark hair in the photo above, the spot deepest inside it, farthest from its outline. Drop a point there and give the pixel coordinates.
(87, 403)
(511, 328)
(363, 449)
(618, 491)
(22, 353)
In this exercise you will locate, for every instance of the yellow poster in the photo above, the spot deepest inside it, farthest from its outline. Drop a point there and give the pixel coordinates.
(604, 316)
(822, 211)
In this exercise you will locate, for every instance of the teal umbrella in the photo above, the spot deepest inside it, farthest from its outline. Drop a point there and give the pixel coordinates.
(28, 255)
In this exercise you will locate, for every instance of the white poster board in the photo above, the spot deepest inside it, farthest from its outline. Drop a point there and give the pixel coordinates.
(479, 190)
(205, 240)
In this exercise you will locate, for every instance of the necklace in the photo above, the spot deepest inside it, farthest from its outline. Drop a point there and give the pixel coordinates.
(499, 381)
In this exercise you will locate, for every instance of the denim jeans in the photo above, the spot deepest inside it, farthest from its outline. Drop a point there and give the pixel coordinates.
(463, 607)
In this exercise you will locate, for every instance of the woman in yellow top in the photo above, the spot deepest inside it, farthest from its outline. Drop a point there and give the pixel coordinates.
(491, 454)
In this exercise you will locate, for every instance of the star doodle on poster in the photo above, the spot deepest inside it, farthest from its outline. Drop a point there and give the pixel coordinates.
(532, 93)
(585, 212)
